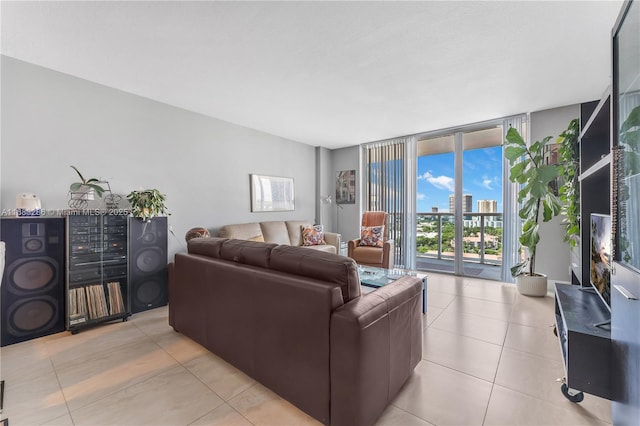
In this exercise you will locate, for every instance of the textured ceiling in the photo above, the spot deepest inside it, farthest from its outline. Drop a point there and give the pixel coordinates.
(332, 74)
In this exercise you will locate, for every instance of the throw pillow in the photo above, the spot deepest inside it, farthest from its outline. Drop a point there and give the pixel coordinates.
(312, 235)
(372, 236)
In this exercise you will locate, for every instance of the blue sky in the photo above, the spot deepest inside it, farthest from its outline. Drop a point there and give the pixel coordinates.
(482, 178)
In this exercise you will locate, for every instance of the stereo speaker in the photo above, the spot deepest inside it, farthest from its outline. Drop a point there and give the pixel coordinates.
(148, 263)
(33, 302)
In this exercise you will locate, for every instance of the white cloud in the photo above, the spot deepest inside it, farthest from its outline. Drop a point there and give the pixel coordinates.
(440, 182)
(420, 196)
(489, 182)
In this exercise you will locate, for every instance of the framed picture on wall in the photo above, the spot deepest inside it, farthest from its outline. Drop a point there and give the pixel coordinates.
(346, 187)
(271, 193)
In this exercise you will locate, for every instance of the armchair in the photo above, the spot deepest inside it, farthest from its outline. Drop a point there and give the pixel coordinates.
(382, 257)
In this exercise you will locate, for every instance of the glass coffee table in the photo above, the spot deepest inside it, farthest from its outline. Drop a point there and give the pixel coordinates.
(373, 277)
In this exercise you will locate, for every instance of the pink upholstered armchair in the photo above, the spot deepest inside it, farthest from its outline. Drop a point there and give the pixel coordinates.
(380, 256)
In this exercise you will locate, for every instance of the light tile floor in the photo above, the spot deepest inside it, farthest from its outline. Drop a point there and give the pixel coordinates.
(489, 357)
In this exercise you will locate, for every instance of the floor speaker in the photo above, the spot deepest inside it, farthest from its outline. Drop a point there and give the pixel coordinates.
(33, 281)
(148, 263)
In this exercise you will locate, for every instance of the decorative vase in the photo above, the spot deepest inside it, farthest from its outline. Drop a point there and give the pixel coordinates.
(532, 285)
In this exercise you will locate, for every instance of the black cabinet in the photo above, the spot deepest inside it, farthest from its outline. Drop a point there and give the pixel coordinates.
(586, 347)
(595, 178)
(97, 269)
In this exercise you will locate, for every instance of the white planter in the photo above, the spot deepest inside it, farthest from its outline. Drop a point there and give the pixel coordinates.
(529, 285)
(83, 193)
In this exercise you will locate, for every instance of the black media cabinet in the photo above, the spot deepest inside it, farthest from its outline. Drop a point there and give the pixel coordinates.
(586, 348)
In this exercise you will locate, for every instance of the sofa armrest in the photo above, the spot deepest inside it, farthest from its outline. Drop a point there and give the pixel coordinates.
(333, 239)
(376, 342)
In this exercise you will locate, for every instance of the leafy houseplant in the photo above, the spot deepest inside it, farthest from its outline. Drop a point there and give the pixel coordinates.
(85, 188)
(569, 157)
(539, 199)
(147, 204)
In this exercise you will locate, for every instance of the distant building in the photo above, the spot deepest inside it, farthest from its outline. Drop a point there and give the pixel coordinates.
(487, 206)
(434, 210)
(467, 203)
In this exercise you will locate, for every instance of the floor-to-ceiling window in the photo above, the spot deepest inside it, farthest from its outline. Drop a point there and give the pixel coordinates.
(459, 200)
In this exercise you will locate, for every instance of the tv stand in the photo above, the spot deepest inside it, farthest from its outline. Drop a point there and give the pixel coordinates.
(601, 323)
(585, 346)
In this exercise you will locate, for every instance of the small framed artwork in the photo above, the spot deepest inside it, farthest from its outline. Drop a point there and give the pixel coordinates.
(346, 187)
(271, 193)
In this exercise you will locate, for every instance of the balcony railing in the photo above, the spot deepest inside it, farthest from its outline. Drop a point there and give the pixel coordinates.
(482, 239)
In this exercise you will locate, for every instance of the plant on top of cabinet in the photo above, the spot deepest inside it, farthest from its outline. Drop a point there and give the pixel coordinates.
(84, 190)
(147, 204)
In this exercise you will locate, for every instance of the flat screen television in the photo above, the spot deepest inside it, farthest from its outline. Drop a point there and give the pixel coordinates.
(600, 256)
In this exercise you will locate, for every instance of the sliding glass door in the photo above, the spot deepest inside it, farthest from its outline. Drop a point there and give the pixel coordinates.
(459, 201)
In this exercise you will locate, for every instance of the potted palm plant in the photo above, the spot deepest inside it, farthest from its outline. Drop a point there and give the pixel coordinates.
(147, 204)
(538, 202)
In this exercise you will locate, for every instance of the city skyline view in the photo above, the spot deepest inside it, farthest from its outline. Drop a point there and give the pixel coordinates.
(482, 178)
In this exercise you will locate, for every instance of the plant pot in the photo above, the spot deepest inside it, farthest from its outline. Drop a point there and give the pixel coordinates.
(532, 285)
(83, 193)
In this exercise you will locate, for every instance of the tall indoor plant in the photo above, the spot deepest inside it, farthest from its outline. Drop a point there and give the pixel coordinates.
(538, 202)
(569, 157)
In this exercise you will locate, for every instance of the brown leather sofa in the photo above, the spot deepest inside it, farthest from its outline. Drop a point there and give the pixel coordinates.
(295, 320)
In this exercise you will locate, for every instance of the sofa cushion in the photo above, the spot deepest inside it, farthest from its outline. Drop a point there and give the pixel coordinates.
(275, 232)
(247, 252)
(319, 265)
(294, 228)
(242, 231)
(312, 235)
(327, 248)
(209, 247)
(371, 236)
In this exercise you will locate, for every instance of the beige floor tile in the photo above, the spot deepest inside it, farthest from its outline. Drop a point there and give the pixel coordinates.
(264, 408)
(534, 311)
(224, 415)
(534, 340)
(431, 315)
(482, 308)
(508, 407)
(438, 300)
(34, 401)
(105, 372)
(393, 416)
(24, 361)
(71, 347)
(536, 376)
(442, 396)
(153, 321)
(179, 346)
(221, 377)
(464, 354)
(60, 421)
(449, 284)
(494, 291)
(481, 328)
(173, 397)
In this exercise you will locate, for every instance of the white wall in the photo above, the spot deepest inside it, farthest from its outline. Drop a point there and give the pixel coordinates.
(348, 216)
(52, 120)
(552, 255)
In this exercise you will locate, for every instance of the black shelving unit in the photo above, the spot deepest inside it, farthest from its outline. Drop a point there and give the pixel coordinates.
(97, 269)
(595, 177)
(586, 346)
